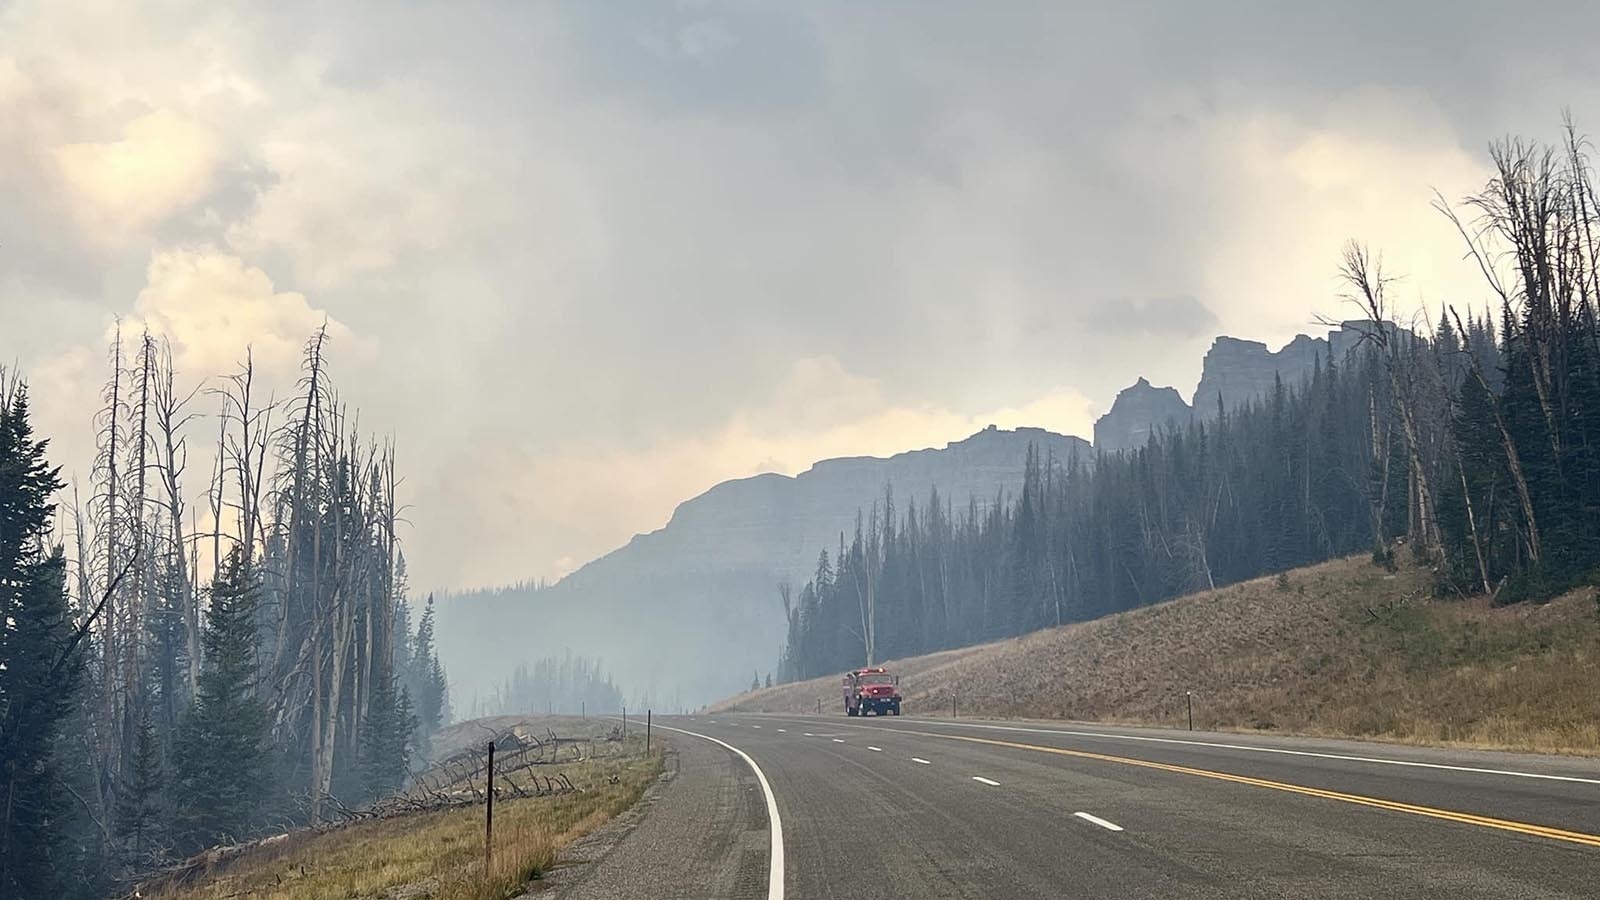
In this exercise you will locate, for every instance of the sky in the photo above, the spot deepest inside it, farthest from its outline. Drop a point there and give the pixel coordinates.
(584, 260)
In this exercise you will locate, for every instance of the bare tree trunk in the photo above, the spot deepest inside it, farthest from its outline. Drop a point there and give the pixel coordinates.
(1380, 456)
(144, 581)
(170, 422)
(1366, 277)
(111, 642)
(216, 494)
(85, 551)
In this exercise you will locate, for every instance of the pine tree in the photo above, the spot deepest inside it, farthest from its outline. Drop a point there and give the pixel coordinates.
(439, 687)
(139, 810)
(386, 739)
(219, 758)
(427, 682)
(39, 670)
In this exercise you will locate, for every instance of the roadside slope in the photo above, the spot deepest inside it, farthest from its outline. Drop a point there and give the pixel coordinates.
(547, 797)
(1341, 648)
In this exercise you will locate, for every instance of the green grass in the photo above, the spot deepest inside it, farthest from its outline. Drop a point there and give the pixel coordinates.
(437, 855)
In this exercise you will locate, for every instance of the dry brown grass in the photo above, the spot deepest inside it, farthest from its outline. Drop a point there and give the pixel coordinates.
(437, 855)
(1342, 648)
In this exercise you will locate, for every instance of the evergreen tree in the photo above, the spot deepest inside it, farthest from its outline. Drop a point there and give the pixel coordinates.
(386, 739)
(39, 670)
(427, 682)
(139, 813)
(221, 776)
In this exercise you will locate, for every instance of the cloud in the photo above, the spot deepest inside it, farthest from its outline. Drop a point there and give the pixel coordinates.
(531, 509)
(1285, 189)
(162, 163)
(356, 193)
(615, 252)
(213, 306)
(1182, 315)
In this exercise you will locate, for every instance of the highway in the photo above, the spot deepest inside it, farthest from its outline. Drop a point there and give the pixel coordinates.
(770, 806)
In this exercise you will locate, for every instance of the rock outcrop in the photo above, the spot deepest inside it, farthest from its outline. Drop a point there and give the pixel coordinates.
(1138, 412)
(1234, 373)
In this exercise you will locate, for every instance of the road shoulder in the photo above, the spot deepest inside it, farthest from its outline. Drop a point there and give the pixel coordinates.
(699, 831)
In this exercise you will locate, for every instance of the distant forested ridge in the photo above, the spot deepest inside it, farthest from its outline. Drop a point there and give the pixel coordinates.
(195, 674)
(565, 684)
(1473, 439)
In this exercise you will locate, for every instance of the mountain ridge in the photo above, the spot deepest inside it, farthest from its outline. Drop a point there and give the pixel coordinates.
(907, 473)
(688, 611)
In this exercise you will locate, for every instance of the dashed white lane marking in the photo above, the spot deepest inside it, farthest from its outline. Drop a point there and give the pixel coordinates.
(1282, 751)
(1109, 826)
(755, 726)
(838, 741)
(808, 734)
(918, 759)
(984, 780)
(783, 729)
(775, 868)
(874, 749)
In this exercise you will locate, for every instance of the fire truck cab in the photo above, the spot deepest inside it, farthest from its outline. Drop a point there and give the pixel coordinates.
(871, 690)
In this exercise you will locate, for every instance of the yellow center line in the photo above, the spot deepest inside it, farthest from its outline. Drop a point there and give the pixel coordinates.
(1555, 834)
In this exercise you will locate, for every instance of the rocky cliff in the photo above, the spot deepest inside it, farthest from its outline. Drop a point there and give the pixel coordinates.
(1235, 372)
(1138, 412)
(691, 610)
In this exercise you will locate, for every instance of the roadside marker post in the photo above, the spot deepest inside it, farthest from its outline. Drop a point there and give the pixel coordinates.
(647, 717)
(1188, 699)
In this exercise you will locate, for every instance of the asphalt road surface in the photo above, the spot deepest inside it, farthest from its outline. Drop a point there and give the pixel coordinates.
(930, 808)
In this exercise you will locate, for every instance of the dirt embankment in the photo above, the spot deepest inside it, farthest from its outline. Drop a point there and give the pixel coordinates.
(1342, 648)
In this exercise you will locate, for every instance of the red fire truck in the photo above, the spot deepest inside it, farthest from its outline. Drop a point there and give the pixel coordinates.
(871, 690)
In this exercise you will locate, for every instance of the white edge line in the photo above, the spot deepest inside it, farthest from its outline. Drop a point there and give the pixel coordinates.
(1109, 826)
(1378, 760)
(985, 781)
(775, 866)
(918, 759)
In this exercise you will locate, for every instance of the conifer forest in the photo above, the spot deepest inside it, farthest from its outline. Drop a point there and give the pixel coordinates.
(196, 657)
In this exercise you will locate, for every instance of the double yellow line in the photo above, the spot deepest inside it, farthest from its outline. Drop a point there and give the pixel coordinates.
(1554, 834)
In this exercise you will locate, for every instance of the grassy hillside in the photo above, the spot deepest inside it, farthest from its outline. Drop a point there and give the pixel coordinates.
(438, 854)
(1342, 648)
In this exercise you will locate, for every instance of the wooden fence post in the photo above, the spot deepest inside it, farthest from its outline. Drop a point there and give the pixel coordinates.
(488, 820)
